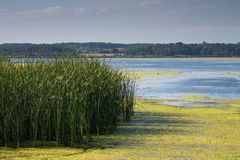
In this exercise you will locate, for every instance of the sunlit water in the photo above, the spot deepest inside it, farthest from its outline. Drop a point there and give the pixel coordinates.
(208, 78)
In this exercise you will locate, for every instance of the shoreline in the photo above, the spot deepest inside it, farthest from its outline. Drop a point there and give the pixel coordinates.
(173, 58)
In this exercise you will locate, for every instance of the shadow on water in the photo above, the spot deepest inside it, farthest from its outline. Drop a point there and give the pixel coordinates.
(148, 124)
(153, 123)
(132, 134)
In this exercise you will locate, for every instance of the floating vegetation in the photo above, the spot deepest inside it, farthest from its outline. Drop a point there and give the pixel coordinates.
(155, 73)
(156, 132)
(64, 101)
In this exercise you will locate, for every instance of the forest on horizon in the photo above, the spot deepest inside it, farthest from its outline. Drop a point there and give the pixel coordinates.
(100, 49)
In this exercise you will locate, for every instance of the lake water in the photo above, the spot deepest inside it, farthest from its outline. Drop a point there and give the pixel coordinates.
(211, 79)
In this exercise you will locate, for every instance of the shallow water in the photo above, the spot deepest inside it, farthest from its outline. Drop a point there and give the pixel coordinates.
(209, 78)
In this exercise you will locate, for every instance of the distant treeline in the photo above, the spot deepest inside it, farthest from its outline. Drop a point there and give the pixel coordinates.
(121, 50)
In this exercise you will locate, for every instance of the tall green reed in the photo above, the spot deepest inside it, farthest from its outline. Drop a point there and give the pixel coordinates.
(64, 101)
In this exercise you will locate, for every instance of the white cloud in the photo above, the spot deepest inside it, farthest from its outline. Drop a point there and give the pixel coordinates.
(183, 9)
(55, 11)
(236, 29)
(45, 12)
(209, 29)
(197, 29)
(76, 10)
(146, 3)
(52, 11)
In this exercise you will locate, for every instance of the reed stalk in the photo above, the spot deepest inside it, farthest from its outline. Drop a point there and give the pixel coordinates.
(64, 101)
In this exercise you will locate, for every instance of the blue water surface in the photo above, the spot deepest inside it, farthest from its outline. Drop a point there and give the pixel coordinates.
(211, 78)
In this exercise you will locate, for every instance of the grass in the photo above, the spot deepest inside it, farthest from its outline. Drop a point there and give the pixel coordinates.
(65, 101)
(158, 132)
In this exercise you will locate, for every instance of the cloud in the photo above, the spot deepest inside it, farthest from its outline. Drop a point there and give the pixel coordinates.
(51, 11)
(197, 29)
(146, 3)
(185, 9)
(45, 12)
(55, 11)
(76, 10)
(209, 29)
(236, 29)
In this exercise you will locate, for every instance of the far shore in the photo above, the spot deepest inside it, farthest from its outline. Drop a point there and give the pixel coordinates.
(189, 58)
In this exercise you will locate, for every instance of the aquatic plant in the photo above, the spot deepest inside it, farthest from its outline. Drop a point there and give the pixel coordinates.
(64, 101)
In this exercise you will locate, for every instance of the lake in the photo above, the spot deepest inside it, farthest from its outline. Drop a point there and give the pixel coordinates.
(200, 83)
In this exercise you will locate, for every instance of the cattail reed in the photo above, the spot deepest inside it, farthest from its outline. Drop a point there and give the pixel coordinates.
(64, 101)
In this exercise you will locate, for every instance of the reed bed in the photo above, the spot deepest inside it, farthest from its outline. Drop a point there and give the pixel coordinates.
(64, 102)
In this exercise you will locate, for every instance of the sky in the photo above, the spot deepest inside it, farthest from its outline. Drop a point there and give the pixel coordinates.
(119, 21)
